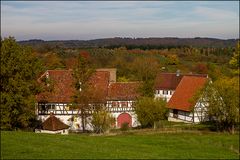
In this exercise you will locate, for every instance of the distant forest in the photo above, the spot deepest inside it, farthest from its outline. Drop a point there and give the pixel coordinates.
(133, 43)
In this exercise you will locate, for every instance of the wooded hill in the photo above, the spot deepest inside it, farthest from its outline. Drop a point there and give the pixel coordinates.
(131, 43)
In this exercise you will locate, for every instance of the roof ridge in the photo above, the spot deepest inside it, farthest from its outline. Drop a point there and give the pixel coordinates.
(59, 70)
(127, 82)
(173, 73)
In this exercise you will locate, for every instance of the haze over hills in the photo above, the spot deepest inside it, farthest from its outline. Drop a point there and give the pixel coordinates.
(136, 42)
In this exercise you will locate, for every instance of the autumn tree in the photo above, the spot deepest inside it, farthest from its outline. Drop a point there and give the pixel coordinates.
(102, 121)
(223, 103)
(150, 110)
(19, 71)
(82, 73)
(70, 63)
(172, 59)
(200, 68)
(146, 70)
(53, 61)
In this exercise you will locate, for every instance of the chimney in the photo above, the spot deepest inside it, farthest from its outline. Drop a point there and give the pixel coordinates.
(178, 73)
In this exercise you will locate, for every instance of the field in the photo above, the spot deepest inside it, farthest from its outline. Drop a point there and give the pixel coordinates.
(27, 145)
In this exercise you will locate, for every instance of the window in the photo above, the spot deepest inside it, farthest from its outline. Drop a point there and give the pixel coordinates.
(175, 113)
(115, 104)
(50, 107)
(165, 92)
(124, 104)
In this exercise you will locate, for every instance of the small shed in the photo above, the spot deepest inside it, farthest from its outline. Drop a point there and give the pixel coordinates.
(53, 125)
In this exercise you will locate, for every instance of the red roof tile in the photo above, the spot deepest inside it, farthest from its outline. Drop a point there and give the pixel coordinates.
(53, 124)
(185, 91)
(63, 85)
(123, 91)
(167, 81)
(170, 81)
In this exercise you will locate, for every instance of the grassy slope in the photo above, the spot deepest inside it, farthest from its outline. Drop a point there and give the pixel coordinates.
(158, 145)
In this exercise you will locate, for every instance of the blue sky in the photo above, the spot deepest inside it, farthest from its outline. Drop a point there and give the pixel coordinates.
(59, 20)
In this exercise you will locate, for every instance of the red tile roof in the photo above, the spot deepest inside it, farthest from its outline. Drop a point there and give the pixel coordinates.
(187, 88)
(167, 81)
(63, 85)
(53, 124)
(123, 91)
(99, 83)
(170, 81)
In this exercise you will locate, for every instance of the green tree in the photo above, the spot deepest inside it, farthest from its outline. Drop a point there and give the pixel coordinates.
(150, 110)
(102, 121)
(19, 71)
(223, 103)
(234, 62)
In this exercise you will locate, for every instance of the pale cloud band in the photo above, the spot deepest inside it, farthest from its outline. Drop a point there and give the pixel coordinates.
(90, 20)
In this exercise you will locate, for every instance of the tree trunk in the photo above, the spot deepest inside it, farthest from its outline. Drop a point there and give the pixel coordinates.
(232, 130)
(83, 120)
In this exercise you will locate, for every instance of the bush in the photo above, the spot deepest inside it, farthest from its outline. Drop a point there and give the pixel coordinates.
(102, 121)
(149, 110)
(124, 126)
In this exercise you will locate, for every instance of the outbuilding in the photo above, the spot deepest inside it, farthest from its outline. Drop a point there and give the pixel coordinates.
(53, 125)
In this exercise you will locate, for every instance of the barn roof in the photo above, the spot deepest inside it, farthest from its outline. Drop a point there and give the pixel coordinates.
(63, 85)
(123, 91)
(185, 91)
(52, 123)
(170, 81)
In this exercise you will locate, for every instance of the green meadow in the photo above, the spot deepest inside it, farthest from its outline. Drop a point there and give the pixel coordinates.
(145, 145)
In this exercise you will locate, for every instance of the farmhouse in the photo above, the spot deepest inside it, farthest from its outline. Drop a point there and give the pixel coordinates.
(179, 90)
(118, 98)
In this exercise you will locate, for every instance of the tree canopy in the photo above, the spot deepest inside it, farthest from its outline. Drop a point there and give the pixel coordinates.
(150, 110)
(223, 103)
(19, 71)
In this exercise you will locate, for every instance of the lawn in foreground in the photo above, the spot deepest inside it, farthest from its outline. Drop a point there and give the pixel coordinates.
(156, 145)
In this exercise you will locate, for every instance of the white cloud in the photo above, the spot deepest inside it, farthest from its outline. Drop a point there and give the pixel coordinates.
(216, 14)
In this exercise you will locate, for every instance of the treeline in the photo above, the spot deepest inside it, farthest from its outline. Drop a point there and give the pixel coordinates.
(142, 43)
(212, 61)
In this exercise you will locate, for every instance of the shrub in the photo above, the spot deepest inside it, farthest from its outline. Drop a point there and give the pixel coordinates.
(124, 126)
(102, 121)
(149, 110)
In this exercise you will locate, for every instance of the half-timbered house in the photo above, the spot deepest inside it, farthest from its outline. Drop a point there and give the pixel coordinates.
(117, 98)
(178, 90)
(183, 105)
(166, 83)
(57, 99)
